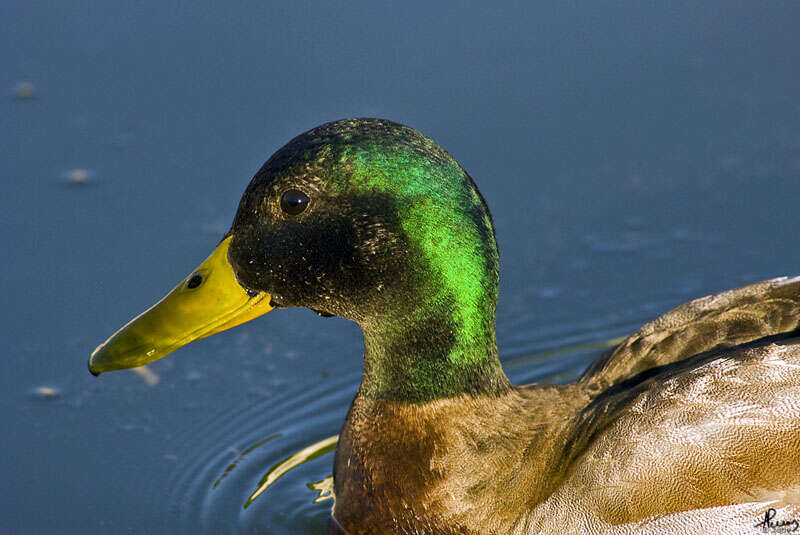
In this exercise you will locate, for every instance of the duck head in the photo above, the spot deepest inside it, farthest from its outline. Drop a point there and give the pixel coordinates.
(364, 219)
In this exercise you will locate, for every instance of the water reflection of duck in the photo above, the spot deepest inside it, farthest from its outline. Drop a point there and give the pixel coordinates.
(692, 424)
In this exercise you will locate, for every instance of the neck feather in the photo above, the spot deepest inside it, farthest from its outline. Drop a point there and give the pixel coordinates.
(429, 353)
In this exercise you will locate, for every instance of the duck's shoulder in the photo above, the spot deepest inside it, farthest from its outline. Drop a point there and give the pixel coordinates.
(719, 428)
(725, 319)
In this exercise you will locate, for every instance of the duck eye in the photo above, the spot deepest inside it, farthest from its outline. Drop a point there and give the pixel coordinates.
(195, 281)
(294, 201)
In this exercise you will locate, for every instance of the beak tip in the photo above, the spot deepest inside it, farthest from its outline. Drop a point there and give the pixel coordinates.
(92, 370)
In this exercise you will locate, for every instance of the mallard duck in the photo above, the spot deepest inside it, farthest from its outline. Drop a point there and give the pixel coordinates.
(692, 424)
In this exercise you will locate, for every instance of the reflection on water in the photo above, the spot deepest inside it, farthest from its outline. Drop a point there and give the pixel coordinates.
(324, 487)
(241, 455)
(309, 453)
(520, 361)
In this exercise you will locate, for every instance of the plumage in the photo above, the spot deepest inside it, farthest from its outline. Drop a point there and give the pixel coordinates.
(690, 425)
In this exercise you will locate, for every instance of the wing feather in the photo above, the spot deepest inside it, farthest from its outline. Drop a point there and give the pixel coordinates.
(710, 431)
(726, 319)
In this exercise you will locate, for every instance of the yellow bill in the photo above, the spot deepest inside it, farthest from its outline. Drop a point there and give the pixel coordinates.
(208, 301)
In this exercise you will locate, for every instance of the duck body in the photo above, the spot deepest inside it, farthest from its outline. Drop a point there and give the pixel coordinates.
(692, 424)
(704, 443)
(537, 460)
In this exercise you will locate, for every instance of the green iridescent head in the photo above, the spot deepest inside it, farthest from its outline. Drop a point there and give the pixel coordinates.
(365, 219)
(389, 231)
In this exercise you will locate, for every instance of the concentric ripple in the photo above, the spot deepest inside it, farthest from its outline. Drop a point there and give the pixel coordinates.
(230, 452)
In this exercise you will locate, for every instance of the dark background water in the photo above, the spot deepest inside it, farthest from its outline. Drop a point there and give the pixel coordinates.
(634, 156)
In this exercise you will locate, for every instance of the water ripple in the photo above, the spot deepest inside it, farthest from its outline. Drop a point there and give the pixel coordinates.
(227, 452)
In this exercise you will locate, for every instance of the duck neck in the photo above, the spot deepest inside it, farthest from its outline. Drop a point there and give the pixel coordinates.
(431, 353)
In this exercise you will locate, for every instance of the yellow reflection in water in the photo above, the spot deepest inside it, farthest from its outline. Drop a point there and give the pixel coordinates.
(239, 458)
(324, 487)
(309, 453)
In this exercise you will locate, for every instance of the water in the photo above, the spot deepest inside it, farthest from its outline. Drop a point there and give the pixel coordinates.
(634, 157)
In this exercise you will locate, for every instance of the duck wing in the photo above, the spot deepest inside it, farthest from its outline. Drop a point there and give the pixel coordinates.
(726, 319)
(719, 429)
